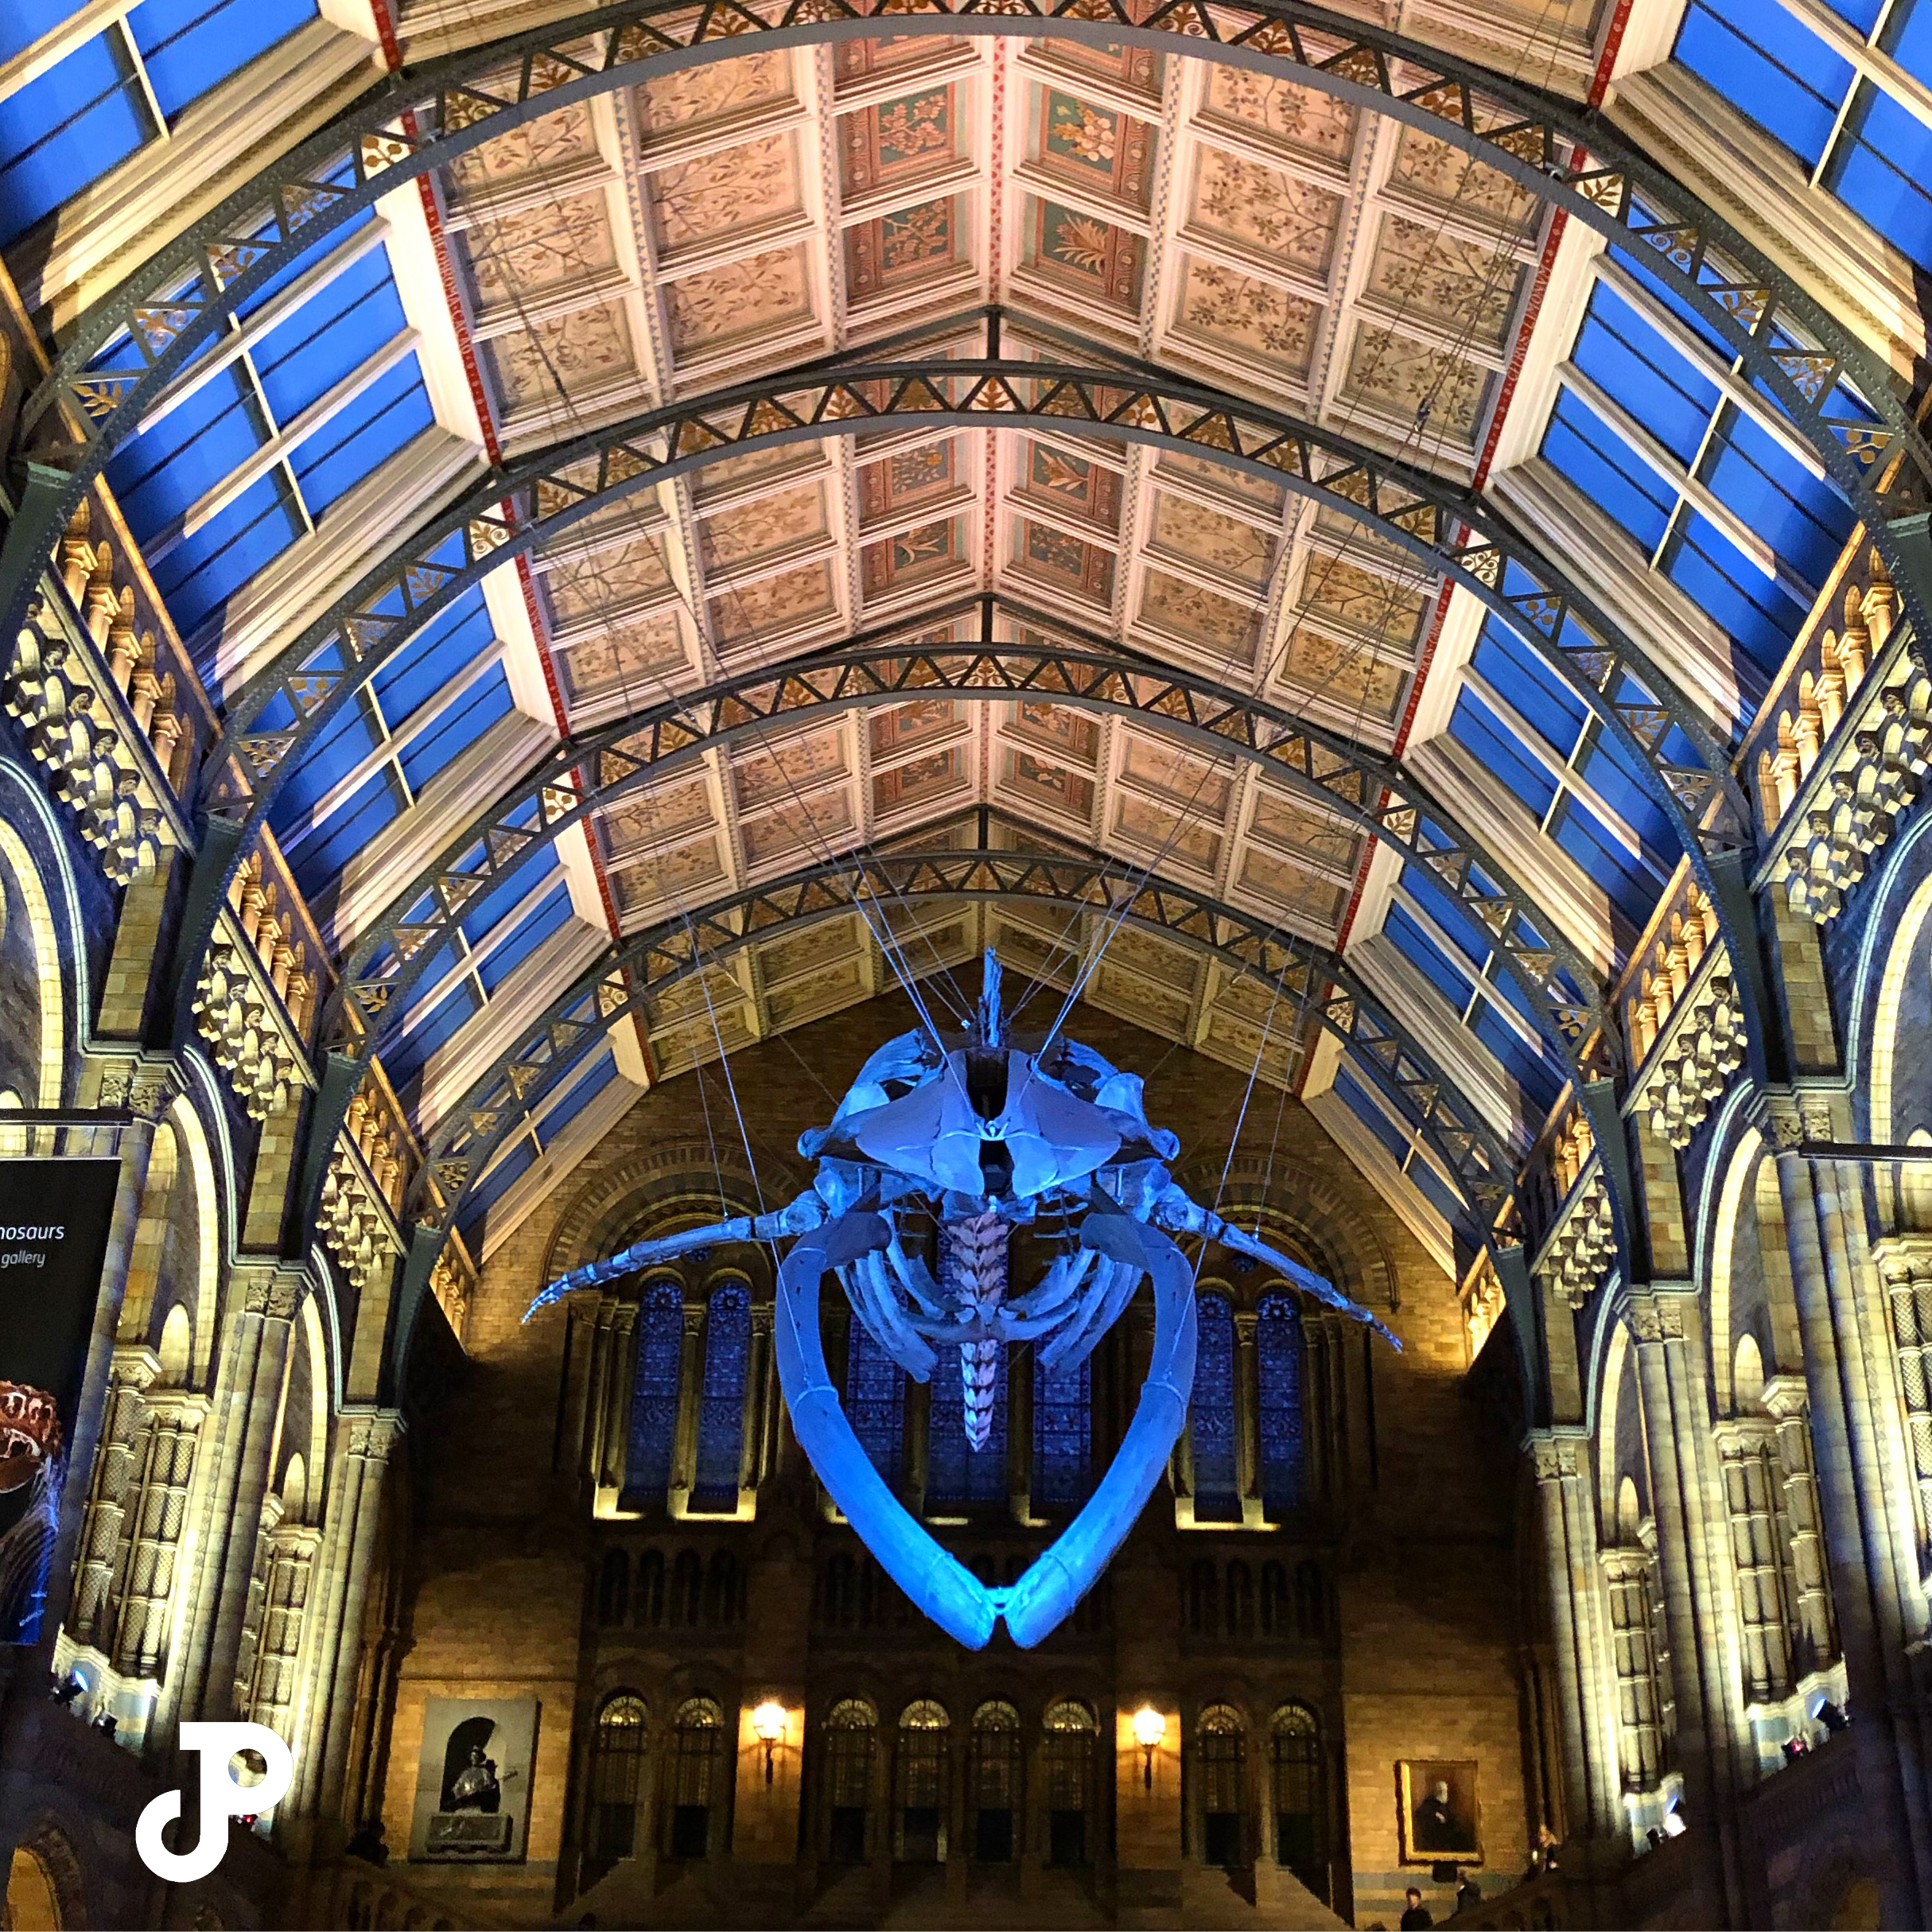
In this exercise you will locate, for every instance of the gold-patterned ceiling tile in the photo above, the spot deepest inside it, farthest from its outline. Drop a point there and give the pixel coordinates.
(906, 728)
(1058, 728)
(1224, 478)
(561, 359)
(1068, 483)
(1401, 377)
(1154, 959)
(711, 990)
(623, 572)
(1363, 600)
(677, 874)
(802, 595)
(1203, 787)
(822, 993)
(907, 479)
(795, 952)
(1436, 171)
(1135, 70)
(1347, 676)
(726, 474)
(856, 61)
(920, 555)
(814, 825)
(736, 302)
(909, 247)
(1062, 563)
(646, 820)
(1158, 1007)
(1301, 119)
(724, 193)
(899, 142)
(1274, 1053)
(1211, 537)
(1287, 887)
(1095, 149)
(1227, 627)
(553, 142)
(1175, 839)
(632, 662)
(695, 1042)
(531, 251)
(1282, 819)
(1251, 998)
(1081, 255)
(1245, 316)
(1043, 783)
(1456, 284)
(745, 533)
(1276, 215)
(701, 99)
(788, 769)
(918, 781)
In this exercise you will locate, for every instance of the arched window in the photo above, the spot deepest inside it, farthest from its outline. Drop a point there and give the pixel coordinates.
(875, 1402)
(1204, 1599)
(697, 1732)
(851, 1739)
(919, 1784)
(687, 1588)
(1278, 1353)
(617, 1764)
(721, 1590)
(1072, 1742)
(957, 1473)
(651, 1589)
(1223, 1751)
(720, 1407)
(614, 1586)
(1310, 1600)
(653, 1396)
(993, 1791)
(1300, 1798)
(1062, 1433)
(1277, 1607)
(1240, 1602)
(838, 1593)
(1211, 1421)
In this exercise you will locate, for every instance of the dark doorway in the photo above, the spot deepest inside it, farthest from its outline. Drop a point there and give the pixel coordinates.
(1067, 1837)
(993, 1837)
(691, 1831)
(1221, 1830)
(846, 1838)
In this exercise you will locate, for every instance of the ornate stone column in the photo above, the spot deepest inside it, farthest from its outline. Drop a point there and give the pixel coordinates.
(1592, 1787)
(1747, 1454)
(1640, 1730)
(690, 1399)
(1814, 1627)
(116, 1481)
(150, 1572)
(1247, 1415)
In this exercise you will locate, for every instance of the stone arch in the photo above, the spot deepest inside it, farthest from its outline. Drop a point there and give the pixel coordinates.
(176, 1348)
(47, 1872)
(197, 1194)
(1873, 1047)
(32, 986)
(145, 1302)
(301, 1444)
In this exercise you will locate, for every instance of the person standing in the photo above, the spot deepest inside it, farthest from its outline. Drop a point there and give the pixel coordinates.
(1417, 1918)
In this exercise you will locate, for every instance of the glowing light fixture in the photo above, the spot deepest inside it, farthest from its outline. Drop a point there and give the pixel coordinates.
(1149, 1727)
(768, 1728)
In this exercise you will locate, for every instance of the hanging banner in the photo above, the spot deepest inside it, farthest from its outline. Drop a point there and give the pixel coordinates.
(54, 1221)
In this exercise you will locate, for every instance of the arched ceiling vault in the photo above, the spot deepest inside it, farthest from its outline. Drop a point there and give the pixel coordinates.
(816, 436)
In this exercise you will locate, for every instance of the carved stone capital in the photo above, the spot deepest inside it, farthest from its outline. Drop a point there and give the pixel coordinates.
(133, 1366)
(1656, 1318)
(1787, 1398)
(274, 1292)
(1776, 1118)
(1556, 1455)
(373, 1433)
(147, 1088)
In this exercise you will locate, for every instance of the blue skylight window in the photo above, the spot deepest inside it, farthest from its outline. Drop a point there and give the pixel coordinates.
(1279, 1364)
(721, 1407)
(1580, 445)
(190, 46)
(654, 1394)
(1777, 73)
(1500, 754)
(1639, 369)
(1210, 1415)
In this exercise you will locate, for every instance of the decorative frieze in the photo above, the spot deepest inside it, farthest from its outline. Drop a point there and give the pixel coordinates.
(1582, 1246)
(256, 993)
(355, 1221)
(1483, 1302)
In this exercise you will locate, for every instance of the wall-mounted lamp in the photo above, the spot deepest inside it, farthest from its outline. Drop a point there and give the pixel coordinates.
(1149, 1728)
(768, 1728)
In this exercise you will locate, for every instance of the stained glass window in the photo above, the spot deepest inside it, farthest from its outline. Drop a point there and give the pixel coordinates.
(617, 1761)
(653, 1396)
(875, 1402)
(720, 1408)
(955, 1473)
(1277, 1341)
(1217, 1496)
(1062, 1433)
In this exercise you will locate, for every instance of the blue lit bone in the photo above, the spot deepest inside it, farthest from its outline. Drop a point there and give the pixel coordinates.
(980, 1136)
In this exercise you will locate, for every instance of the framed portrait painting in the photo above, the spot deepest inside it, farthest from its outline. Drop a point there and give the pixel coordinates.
(1438, 1811)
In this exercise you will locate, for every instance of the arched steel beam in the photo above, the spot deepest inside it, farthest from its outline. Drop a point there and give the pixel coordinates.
(1375, 793)
(1313, 981)
(126, 349)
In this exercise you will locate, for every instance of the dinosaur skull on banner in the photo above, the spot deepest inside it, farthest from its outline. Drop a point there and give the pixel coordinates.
(982, 1137)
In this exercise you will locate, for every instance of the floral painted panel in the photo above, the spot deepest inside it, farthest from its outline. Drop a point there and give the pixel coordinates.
(533, 249)
(717, 195)
(1438, 171)
(1152, 959)
(1262, 209)
(1056, 788)
(785, 958)
(1459, 286)
(737, 299)
(786, 769)
(1202, 787)
(552, 141)
(1223, 477)
(1153, 826)
(648, 820)
(1286, 884)
(905, 480)
(898, 140)
(1075, 483)
(835, 986)
(1139, 69)
(634, 659)
(1070, 733)
(625, 572)
(678, 873)
(1223, 624)
(857, 60)
(1413, 383)
(727, 472)
(701, 97)
(911, 244)
(1285, 821)
(1065, 562)
(802, 824)
(1166, 1012)
(918, 781)
(1276, 1052)
(746, 532)
(1391, 612)
(1092, 258)
(1301, 117)
(1350, 676)
(913, 556)
(1211, 537)
(560, 357)
(903, 726)
(1244, 313)
(1098, 149)
(776, 603)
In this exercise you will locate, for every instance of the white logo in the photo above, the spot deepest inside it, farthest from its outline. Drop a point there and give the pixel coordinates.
(223, 1797)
